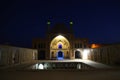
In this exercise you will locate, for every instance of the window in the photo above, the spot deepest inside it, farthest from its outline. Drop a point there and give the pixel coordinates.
(80, 45)
(85, 46)
(75, 45)
(60, 46)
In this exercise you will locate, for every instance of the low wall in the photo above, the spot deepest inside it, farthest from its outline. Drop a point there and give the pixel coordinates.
(107, 55)
(15, 55)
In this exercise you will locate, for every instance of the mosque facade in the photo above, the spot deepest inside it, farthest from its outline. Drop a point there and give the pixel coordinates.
(60, 43)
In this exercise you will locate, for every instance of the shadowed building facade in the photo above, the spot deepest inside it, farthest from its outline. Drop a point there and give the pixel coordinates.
(60, 43)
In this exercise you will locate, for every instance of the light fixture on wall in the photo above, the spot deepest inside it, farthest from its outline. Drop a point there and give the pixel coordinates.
(85, 53)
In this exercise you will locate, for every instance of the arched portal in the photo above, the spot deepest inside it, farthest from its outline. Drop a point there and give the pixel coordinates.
(77, 54)
(60, 55)
(60, 46)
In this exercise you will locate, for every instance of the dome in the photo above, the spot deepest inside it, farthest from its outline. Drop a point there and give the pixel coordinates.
(60, 28)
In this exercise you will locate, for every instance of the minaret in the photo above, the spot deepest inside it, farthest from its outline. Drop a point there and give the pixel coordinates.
(71, 25)
(48, 25)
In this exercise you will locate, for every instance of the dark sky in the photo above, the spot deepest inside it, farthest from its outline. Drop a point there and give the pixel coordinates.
(23, 20)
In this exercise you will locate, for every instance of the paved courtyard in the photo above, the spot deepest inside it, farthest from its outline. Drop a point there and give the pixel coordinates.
(61, 75)
(17, 72)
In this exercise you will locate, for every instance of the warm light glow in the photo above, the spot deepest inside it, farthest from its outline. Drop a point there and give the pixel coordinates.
(59, 37)
(59, 40)
(95, 46)
(85, 54)
(41, 66)
(59, 43)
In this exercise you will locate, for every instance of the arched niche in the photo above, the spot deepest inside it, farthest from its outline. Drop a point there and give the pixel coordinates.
(59, 43)
(78, 54)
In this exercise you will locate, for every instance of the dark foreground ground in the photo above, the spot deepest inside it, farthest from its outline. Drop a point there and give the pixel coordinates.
(113, 74)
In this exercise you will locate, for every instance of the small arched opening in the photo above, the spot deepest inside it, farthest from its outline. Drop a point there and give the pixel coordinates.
(60, 55)
(78, 54)
(60, 46)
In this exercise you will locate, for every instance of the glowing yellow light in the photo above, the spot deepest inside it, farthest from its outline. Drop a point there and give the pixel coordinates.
(85, 54)
(59, 37)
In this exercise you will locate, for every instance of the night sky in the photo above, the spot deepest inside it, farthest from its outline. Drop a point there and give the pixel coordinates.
(23, 20)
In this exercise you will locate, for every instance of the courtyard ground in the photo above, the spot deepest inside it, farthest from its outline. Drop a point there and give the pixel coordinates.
(17, 72)
(113, 74)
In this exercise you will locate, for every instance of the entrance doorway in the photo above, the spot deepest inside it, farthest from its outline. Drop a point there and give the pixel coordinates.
(77, 54)
(60, 55)
(61, 45)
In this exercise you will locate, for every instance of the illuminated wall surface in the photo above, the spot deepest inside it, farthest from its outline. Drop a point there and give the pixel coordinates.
(10, 55)
(60, 43)
(59, 47)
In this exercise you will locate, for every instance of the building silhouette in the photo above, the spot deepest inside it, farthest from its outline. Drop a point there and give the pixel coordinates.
(60, 43)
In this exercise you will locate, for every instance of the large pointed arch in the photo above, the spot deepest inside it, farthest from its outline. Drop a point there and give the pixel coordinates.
(59, 43)
(59, 40)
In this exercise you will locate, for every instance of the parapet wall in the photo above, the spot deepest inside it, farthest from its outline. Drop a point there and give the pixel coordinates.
(15, 55)
(108, 54)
